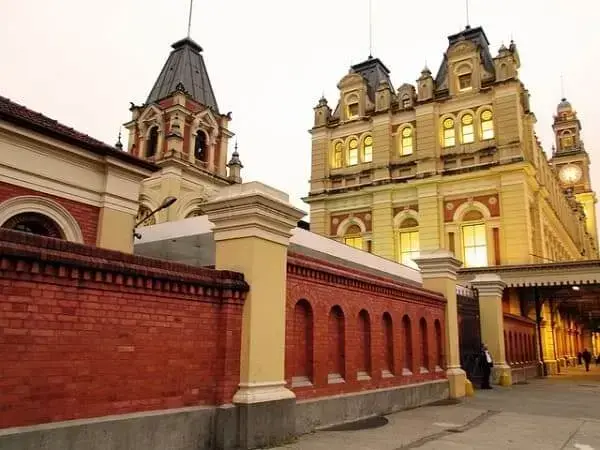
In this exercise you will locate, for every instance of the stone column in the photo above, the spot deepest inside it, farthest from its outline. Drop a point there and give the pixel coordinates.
(252, 227)
(438, 270)
(491, 319)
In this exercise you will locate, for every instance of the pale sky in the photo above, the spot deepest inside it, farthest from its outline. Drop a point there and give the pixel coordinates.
(81, 62)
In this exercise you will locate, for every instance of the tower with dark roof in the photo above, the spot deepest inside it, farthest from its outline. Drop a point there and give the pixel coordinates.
(181, 129)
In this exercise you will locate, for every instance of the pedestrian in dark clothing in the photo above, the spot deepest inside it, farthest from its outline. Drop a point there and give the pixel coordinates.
(587, 359)
(486, 365)
(579, 358)
(597, 360)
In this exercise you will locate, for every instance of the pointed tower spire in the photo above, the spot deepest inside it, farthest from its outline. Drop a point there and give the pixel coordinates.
(119, 144)
(235, 165)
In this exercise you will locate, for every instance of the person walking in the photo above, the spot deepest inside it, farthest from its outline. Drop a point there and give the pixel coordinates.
(579, 358)
(486, 365)
(587, 359)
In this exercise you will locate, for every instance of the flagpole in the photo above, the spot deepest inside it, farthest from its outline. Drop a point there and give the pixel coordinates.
(190, 19)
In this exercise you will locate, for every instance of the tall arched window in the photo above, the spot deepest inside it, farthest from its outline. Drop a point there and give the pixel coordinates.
(303, 342)
(566, 140)
(388, 345)
(364, 338)
(449, 133)
(34, 223)
(353, 152)
(474, 240)
(200, 146)
(487, 125)
(467, 129)
(408, 242)
(406, 141)
(367, 149)
(424, 344)
(338, 152)
(152, 142)
(337, 357)
(407, 362)
(353, 237)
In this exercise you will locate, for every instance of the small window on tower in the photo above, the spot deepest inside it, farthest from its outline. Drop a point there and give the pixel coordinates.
(152, 142)
(464, 82)
(352, 109)
(200, 150)
(566, 141)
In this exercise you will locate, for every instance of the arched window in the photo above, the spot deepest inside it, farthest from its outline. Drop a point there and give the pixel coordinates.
(474, 240)
(424, 344)
(353, 152)
(353, 237)
(407, 362)
(449, 133)
(352, 109)
(200, 146)
(34, 223)
(303, 342)
(338, 152)
(406, 141)
(152, 142)
(408, 242)
(487, 125)
(368, 149)
(467, 129)
(388, 345)
(337, 358)
(364, 342)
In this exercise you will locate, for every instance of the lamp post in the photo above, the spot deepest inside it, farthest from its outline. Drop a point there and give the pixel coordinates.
(165, 204)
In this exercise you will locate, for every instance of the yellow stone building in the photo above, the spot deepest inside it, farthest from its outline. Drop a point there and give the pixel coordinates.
(451, 163)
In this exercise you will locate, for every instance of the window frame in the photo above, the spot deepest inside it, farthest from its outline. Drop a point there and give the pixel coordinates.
(336, 153)
(402, 138)
(445, 130)
(350, 152)
(482, 121)
(364, 149)
(474, 224)
(464, 126)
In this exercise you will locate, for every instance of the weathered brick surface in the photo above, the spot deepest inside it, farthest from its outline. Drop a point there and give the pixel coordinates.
(87, 332)
(85, 215)
(325, 286)
(519, 339)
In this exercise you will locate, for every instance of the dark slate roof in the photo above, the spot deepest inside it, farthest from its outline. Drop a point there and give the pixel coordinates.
(185, 66)
(23, 117)
(478, 37)
(374, 71)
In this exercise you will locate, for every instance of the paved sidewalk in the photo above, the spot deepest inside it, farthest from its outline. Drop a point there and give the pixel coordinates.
(556, 413)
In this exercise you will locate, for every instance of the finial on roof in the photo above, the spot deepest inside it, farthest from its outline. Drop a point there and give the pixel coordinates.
(235, 157)
(119, 144)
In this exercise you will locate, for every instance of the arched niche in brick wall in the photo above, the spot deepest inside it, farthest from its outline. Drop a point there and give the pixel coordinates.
(51, 212)
(388, 345)
(439, 345)
(336, 336)
(407, 360)
(364, 345)
(424, 345)
(303, 323)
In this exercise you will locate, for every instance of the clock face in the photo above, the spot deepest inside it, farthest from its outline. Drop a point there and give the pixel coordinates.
(570, 174)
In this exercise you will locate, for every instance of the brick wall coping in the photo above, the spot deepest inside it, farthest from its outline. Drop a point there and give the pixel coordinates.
(38, 254)
(327, 272)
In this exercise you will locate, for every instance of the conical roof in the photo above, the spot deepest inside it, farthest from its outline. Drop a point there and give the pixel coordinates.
(185, 69)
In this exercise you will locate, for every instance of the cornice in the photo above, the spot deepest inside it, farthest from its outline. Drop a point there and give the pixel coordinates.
(30, 257)
(329, 274)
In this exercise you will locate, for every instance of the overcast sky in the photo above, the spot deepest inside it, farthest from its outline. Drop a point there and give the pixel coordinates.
(81, 62)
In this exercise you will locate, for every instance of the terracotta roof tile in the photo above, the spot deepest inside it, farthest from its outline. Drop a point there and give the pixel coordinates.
(27, 118)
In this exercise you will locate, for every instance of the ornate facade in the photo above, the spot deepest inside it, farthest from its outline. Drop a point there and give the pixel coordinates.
(453, 162)
(180, 128)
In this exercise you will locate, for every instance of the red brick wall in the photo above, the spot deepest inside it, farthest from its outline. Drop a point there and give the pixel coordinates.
(340, 344)
(519, 340)
(87, 332)
(85, 215)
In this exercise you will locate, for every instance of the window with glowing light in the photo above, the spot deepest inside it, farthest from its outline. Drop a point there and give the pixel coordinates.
(368, 149)
(408, 242)
(353, 152)
(487, 125)
(467, 129)
(449, 133)
(406, 143)
(474, 245)
(338, 151)
(353, 237)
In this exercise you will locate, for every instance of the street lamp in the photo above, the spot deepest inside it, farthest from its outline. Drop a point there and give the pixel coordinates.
(165, 204)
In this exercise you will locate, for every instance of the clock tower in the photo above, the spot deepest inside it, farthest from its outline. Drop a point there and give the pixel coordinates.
(572, 163)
